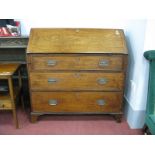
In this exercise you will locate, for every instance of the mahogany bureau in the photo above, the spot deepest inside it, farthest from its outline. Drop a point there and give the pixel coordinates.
(76, 71)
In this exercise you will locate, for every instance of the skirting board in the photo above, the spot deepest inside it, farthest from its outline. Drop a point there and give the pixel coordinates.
(135, 118)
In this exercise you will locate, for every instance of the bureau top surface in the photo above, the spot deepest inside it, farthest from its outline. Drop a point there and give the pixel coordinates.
(82, 40)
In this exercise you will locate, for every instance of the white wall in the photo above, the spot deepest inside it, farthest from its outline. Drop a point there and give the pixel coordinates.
(135, 93)
(137, 76)
(150, 35)
(27, 24)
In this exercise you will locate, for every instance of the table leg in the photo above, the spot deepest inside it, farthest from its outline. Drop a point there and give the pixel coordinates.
(13, 102)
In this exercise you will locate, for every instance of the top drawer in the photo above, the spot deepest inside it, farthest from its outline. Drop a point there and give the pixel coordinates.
(75, 62)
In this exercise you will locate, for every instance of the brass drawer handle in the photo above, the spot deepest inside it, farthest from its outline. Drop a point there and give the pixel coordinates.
(102, 81)
(52, 80)
(51, 62)
(103, 63)
(53, 102)
(101, 102)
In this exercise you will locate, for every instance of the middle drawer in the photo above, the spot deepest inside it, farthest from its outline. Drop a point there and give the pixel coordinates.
(70, 81)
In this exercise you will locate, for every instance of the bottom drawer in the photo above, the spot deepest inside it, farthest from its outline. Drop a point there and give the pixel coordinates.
(76, 102)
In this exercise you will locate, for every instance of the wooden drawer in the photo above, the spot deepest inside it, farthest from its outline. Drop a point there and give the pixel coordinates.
(5, 104)
(76, 102)
(77, 81)
(76, 62)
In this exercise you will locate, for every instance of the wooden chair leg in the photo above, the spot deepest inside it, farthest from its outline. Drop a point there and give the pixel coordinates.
(22, 102)
(15, 118)
(13, 102)
(21, 91)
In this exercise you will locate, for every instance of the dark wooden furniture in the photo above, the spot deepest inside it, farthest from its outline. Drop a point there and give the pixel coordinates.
(8, 99)
(13, 50)
(76, 71)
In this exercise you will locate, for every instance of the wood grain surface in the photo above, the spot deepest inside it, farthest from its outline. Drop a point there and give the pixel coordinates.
(76, 101)
(76, 62)
(47, 40)
(77, 81)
